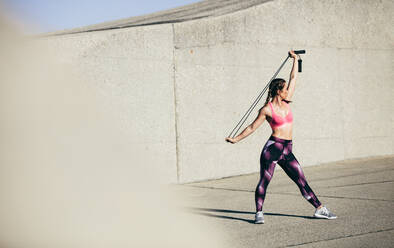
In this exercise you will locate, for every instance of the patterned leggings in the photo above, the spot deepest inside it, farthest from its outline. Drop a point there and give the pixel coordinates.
(279, 151)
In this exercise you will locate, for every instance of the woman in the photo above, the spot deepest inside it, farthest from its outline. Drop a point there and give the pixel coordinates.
(278, 148)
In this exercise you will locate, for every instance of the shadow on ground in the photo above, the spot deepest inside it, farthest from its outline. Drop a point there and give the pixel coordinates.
(210, 212)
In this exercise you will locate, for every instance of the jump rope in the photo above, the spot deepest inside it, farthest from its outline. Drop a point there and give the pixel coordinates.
(246, 115)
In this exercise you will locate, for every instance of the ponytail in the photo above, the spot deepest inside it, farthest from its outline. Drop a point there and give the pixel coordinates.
(268, 98)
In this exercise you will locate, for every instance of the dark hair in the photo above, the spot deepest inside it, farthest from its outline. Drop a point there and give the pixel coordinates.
(275, 85)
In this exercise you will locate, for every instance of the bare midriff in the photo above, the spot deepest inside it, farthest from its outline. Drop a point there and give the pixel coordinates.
(283, 132)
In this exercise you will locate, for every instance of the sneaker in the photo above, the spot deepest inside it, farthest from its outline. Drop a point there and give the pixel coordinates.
(324, 213)
(259, 219)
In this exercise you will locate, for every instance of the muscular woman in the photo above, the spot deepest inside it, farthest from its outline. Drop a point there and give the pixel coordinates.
(278, 148)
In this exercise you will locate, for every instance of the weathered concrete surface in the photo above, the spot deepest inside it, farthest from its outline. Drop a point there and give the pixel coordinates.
(131, 71)
(360, 192)
(180, 88)
(222, 63)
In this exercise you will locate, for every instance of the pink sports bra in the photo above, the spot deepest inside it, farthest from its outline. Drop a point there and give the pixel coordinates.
(278, 120)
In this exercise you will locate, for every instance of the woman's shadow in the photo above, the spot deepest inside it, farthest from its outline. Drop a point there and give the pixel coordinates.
(212, 212)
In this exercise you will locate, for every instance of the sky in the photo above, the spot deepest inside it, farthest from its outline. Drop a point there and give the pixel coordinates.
(40, 16)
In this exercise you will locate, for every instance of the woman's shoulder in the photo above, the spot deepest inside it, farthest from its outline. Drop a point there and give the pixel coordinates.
(266, 110)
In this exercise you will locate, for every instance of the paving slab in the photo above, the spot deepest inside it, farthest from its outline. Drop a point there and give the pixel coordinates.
(360, 192)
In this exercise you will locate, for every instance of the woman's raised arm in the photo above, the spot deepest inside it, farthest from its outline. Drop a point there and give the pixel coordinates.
(293, 77)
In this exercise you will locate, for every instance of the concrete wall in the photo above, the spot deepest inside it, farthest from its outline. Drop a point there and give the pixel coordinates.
(131, 71)
(179, 89)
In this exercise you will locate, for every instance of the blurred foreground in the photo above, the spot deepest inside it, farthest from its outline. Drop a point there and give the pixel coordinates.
(66, 170)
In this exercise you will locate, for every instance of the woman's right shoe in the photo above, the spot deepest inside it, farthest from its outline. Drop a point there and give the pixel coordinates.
(259, 218)
(324, 213)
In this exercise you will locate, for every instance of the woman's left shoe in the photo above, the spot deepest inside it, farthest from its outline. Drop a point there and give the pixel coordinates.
(324, 213)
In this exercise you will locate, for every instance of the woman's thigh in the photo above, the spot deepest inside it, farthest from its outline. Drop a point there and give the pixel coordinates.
(292, 168)
(271, 154)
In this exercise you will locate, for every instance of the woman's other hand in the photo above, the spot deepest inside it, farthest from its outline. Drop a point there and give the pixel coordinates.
(231, 140)
(292, 54)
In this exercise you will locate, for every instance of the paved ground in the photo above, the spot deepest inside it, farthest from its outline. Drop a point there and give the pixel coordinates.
(360, 192)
